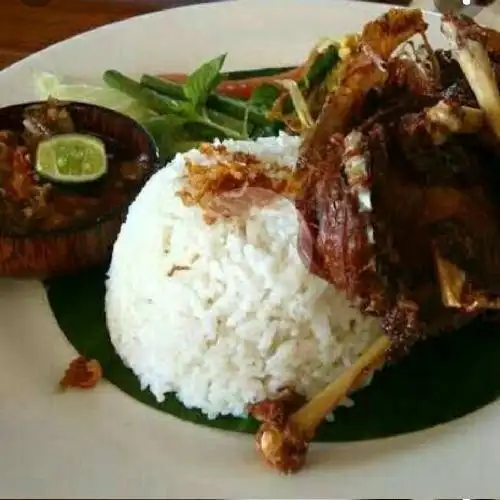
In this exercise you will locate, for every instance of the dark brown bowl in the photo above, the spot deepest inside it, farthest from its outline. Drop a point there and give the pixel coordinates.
(44, 254)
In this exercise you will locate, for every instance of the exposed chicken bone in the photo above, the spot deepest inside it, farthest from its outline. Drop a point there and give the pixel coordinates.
(446, 118)
(315, 411)
(284, 446)
(473, 58)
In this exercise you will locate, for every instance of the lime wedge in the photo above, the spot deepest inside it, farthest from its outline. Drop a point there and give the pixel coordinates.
(73, 158)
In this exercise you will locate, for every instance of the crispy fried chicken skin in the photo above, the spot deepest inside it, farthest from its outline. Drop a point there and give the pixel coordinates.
(400, 206)
(402, 169)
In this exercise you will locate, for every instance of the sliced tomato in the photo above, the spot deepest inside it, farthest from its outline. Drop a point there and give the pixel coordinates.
(240, 89)
(243, 89)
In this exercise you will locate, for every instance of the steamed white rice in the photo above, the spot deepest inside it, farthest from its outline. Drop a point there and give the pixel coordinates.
(245, 320)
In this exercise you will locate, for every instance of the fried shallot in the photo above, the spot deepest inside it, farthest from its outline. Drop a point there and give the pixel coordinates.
(234, 183)
(82, 373)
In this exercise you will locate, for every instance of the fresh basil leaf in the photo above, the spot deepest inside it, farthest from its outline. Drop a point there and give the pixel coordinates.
(264, 97)
(159, 125)
(204, 80)
(261, 100)
(169, 132)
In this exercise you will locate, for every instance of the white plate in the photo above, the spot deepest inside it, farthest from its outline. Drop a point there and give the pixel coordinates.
(105, 444)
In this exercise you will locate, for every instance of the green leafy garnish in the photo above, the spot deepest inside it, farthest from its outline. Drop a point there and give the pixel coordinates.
(322, 65)
(185, 111)
(170, 135)
(303, 99)
(195, 109)
(262, 100)
(203, 81)
(264, 96)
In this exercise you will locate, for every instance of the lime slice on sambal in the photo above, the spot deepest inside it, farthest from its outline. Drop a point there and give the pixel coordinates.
(71, 158)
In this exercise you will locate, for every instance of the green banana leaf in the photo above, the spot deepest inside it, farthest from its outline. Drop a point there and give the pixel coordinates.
(443, 378)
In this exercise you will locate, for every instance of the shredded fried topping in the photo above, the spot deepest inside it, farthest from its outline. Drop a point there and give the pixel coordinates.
(234, 183)
(177, 268)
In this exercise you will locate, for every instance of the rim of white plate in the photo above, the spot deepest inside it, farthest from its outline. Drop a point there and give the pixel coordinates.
(105, 444)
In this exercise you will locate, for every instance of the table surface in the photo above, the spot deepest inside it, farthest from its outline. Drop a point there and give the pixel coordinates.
(27, 26)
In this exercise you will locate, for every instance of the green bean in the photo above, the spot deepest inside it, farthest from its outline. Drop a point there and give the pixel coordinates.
(323, 64)
(146, 97)
(256, 73)
(163, 87)
(226, 120)
(162, 104)
(231, 107)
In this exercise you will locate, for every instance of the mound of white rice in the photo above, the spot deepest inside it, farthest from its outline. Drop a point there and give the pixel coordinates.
(245, 320)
